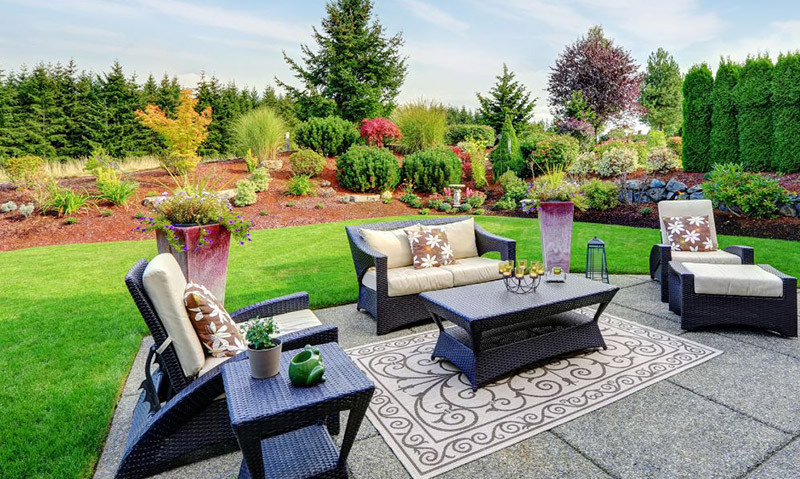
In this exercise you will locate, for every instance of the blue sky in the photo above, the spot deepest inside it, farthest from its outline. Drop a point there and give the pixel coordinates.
(455, 48)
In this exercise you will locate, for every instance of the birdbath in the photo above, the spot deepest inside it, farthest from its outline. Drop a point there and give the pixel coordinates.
(456, 189)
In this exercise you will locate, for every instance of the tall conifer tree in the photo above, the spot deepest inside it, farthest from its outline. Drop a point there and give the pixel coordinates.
(661, 94)
(508, 98)
(697, 87)
(724, 130)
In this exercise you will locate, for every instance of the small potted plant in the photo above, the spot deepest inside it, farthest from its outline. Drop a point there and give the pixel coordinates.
(263, 350)
(196, 226)
(555, 198)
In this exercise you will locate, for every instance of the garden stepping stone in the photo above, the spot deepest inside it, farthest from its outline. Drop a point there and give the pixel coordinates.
(359, 198)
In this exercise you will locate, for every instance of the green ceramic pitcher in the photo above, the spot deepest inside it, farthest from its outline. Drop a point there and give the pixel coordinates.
(306, 368)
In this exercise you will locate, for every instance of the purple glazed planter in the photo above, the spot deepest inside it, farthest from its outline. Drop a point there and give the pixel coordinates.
(555, 223)
(208, 265)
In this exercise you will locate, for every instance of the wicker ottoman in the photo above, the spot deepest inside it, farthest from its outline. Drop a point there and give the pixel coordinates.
(730, 294)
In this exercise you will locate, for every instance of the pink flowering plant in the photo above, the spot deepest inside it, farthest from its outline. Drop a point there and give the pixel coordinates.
(203, 208)
(554, 186)
(376, 131)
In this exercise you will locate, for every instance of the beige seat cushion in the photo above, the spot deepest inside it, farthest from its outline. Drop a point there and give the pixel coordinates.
(734, 280)
(473, 270)
(393, 243)
(407, 280)
(712, 257)
(165, 284)
(287, 323)
(461, 235)
(674, 208)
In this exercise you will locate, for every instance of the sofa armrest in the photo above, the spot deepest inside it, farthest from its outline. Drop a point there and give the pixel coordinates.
(660, 256)
(488, 242)
(326, 333)
(272, 307)
(746, 253)
(365, 257)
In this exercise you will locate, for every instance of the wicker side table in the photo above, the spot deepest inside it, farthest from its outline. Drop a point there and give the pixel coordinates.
(280, 428)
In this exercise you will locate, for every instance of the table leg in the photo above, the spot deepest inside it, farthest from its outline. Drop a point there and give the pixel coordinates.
(253, 457)
(357, 412)
(597, 315)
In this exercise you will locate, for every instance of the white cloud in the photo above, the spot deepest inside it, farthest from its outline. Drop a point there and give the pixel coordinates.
(435, 15)
(782, 36)
(239, 21)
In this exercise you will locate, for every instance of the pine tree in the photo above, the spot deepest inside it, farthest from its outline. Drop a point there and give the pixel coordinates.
(124, 135)
(356, 72)
(697, 108)
(30, 112)
(753, 95)
(786, 113)
(168, 95)
(508, 98)
(6, 99)
(724, 129)
(661, 94)
(89, 116)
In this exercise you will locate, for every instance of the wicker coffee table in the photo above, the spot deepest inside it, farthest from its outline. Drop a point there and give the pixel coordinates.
(280, 427)
(497, 332)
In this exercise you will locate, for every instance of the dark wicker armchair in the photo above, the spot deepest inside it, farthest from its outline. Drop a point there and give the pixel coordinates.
(180, 419)
(392, 313)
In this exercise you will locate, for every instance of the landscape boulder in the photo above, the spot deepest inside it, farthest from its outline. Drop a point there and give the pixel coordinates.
(675, 186)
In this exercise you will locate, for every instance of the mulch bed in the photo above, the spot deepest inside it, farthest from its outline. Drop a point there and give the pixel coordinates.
(282, 210)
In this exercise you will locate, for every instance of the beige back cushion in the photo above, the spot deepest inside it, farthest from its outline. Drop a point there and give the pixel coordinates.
(393, 243)
(675, 208)
(461, 235)
(165, 284)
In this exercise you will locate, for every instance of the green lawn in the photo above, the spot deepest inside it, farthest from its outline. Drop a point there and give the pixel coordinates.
(72, 330)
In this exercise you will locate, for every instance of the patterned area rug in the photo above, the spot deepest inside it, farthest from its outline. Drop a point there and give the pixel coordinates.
(427, 413)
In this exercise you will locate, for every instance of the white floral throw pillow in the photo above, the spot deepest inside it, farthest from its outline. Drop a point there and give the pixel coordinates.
(215, 328)
(430, 247)
(689, 233)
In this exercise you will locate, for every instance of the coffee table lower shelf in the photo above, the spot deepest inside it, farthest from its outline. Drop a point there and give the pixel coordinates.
(505, 352)
(303, 453)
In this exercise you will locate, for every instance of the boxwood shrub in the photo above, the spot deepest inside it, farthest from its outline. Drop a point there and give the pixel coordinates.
(368, 168)
(458, 133)
(329, 136)
(433, 169)
(307, 162)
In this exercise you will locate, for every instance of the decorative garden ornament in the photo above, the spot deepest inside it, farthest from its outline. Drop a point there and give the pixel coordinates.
(306, 368)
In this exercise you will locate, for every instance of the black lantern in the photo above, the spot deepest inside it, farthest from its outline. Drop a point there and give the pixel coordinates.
(596, 265)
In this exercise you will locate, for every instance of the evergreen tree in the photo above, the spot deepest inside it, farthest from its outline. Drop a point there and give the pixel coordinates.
(281, 104)
(124, 134)
(356, 72)
(150, 91)
(786, 113)
(460, 116)
(724, 129)
(168, 95)
(661, 92)
(753, 95)
(89, 116)
(508, 98)
(508, 155)
(697, 108)
(6, 100)
(31, 112)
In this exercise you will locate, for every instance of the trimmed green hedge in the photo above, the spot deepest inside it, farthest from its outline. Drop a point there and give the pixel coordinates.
(368, 168)
(432, 170)
(458, 133)
(724, 130)
(697, 87)
(786, 113)
(753, 94)
(329, 136)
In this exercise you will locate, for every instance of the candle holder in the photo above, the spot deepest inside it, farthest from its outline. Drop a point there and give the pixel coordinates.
(556, 275)
(521, 284)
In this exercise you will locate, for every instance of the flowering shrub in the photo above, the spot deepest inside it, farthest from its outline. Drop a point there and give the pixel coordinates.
(617, 161)
(195, 208)
(639, 147)
(474, 198)
(554, 152)
(582, 131)
(662, 160)
(554, 186)
(377, 130)
(743, 192)
(584, 164)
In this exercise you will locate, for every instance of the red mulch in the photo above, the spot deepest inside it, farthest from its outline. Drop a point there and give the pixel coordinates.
(17, 232)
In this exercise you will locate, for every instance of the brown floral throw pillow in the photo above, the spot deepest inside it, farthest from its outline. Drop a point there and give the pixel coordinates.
(689, 233)
(215, 328)
(430, 247)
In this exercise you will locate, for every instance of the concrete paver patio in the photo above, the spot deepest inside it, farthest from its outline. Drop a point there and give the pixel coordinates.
(737, 415)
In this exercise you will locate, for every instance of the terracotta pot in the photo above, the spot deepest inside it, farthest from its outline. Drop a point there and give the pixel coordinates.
(555, 221)
(207, 265)
(265, 363)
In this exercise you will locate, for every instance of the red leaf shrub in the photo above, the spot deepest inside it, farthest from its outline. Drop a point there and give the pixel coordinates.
(378, 130)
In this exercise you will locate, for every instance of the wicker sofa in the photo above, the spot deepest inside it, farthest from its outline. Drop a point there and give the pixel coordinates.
(181, 415)
(389, 289)
(661, 254)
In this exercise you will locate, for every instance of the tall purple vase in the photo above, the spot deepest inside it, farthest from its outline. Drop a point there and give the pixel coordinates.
(207, 265)
(555, 224)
